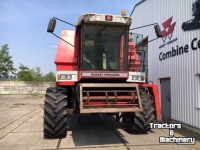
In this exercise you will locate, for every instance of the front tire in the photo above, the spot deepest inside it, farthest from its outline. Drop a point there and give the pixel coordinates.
(55, 113)
(139, 121)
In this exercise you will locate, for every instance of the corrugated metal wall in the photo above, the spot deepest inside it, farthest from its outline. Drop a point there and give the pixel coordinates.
(185, 86)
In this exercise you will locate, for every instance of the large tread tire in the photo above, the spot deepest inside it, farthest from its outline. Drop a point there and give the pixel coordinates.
(138, 122)
(55, 113)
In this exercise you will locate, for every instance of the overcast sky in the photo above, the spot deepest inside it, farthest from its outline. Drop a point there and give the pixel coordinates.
(23, 25)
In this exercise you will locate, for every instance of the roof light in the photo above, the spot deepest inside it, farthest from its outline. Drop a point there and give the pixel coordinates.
(86, 18)
(92, 18)
(98, 17)
(119, 19)
(107, 18)
(95, 17)
(123, 12)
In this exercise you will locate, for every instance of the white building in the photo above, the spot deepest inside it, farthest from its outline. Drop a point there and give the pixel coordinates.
(177, 74)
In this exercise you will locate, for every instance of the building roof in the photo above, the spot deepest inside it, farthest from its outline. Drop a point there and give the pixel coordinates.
(137, 5)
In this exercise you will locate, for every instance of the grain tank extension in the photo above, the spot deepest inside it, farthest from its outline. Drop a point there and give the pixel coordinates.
(98, 71)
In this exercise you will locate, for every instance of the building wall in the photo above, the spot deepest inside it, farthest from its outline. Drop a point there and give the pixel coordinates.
(185, 86)
(21, 87)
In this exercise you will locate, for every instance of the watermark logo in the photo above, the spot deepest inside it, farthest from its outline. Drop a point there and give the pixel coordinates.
(172, 138)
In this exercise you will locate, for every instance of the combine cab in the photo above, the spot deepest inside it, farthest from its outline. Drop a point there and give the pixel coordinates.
(193, 24)
(98, 71)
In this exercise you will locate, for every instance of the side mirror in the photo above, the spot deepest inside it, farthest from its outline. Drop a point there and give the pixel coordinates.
(51, 26)
(158, 31)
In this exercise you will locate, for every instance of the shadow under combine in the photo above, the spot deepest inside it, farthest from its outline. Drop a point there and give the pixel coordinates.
(96, 130)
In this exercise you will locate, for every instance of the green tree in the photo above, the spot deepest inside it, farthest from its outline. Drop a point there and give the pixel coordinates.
(6, 63)
(36, 73)
(50, 77)
(24, 74)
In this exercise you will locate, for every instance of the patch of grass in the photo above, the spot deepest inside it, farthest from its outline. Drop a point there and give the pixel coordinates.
(184, 132)
(188, 133)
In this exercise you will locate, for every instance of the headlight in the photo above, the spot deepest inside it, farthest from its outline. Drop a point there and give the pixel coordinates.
(65, 77)
(140, 78)
(92, 18)
(62, 77)
(86, 18)
(98, 17)
(134, 78)
(68, 77)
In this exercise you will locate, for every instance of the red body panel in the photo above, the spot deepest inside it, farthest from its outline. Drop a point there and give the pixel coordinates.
(66, 59)
(153, 89)
(65, 83)
(133, 56)
(66, 53)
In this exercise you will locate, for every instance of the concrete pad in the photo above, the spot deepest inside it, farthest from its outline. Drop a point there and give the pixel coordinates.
(37, 118)
(11, 115)
(25, 107)
(37, 102)
(85, 117)
(12, 126)
(163, 147)
(9, 118)
(90, 138)
(20, 99)
(87, 125)
(15, 101)
(14, 113)
(3, 124)
(30, 127)
(41, 113)
(142, 139)
(101, 148)
(13, 147)
(12, 118)
(31, 140)
(2, 108)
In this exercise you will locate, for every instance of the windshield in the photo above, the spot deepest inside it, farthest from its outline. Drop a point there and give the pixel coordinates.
(104, 47)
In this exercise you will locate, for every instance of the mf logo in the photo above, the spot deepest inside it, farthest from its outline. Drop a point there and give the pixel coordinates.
(168, 29)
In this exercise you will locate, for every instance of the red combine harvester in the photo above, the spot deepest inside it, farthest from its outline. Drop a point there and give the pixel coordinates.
(98, 71)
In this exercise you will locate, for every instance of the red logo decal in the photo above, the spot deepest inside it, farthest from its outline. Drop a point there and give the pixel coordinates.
(168, 29)
(109, 18)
